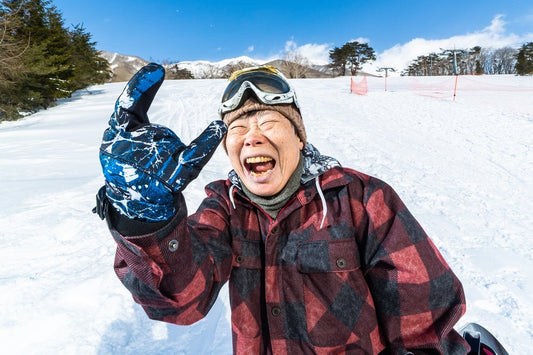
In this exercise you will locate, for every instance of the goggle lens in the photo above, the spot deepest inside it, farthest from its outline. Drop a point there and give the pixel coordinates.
(265, 82)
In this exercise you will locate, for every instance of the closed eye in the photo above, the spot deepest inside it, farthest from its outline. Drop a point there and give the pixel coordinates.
(235, 129)
(267, 124)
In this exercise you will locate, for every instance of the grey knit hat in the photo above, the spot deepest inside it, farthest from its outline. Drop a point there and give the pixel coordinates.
(288, 110)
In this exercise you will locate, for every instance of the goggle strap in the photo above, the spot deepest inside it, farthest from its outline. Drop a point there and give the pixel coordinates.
(264, 68)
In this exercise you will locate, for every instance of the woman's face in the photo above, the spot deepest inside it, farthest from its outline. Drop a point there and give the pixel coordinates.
(264, 151)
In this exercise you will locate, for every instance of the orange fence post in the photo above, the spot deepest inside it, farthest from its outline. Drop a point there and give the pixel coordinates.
(455, 87)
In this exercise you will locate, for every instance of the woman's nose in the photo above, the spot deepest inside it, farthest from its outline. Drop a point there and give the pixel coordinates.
(254, 136)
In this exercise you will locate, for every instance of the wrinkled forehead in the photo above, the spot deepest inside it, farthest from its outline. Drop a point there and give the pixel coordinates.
(260, 115)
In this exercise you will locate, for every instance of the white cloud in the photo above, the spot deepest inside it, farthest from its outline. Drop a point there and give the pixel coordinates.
(401, 55)
(250, 49)
(315, 53)
(492, 36)
(290, 45)
(360, 40)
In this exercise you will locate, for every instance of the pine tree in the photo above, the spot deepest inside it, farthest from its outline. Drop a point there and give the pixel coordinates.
(479, 67)
(87, 66)
(46, 59)
(352, 54)
(524, 59)
(58, 56)
(473, 62)
(339, 59)
(52, 61)
(358, 54)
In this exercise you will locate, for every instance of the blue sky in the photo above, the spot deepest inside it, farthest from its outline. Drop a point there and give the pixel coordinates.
(164, 30)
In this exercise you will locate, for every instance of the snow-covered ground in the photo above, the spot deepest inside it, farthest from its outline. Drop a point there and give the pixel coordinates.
(464, 167)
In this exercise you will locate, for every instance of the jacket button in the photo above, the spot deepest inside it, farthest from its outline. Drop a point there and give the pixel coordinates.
(341, 263)
(276, 311)
(275, 230)
(239, 259)
(173, 245)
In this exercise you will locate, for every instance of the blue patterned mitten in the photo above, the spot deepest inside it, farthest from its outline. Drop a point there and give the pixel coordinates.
(145, 163)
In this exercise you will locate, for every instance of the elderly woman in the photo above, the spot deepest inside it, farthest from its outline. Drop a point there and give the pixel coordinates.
(319, 258)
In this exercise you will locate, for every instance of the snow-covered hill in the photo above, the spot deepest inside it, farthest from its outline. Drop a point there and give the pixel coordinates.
(464, 168)
(124, 66)
(204, 69)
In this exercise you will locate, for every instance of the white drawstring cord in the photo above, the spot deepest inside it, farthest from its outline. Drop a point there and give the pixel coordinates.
(323, 199)
(320, 193)
(232, 200)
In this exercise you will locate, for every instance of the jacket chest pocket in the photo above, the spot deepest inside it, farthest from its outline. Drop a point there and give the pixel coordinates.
(334, 291)
(328, 256)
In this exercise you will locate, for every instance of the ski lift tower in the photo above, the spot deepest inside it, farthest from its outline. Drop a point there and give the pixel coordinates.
(454, 52)
(386, 70)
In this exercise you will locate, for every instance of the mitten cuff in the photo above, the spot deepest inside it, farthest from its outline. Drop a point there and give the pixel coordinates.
(127, 226)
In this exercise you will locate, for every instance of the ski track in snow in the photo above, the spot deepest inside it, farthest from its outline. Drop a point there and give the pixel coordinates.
(464, 168)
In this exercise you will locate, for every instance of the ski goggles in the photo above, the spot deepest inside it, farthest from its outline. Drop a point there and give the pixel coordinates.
(267, 83)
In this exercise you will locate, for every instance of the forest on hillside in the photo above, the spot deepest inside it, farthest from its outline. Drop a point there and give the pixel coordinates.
(41, 59)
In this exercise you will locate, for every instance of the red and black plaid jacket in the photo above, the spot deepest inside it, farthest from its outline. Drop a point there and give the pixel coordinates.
(365, 279)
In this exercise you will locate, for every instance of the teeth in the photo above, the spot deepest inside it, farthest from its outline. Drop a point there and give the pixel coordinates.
(253, 173)
(254, 160)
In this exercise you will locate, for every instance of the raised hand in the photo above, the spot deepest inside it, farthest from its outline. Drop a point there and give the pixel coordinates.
(145, 163)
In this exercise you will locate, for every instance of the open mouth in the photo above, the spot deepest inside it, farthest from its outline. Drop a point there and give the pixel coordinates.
(259, 166)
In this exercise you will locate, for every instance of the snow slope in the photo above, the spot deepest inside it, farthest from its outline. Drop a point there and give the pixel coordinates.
(464, 168)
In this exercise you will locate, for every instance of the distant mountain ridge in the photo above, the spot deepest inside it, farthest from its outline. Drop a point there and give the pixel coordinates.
(124, 66)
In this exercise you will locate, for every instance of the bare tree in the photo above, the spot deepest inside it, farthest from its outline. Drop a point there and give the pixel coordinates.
(498, 61)
(11, 64)
(505, 60)
(232, 67)
(485, 59)
(295, 65)
(211, 71)
(11, 50)
(477, 60)
(174, 72)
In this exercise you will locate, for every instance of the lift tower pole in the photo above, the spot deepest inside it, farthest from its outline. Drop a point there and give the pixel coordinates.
(386, 70)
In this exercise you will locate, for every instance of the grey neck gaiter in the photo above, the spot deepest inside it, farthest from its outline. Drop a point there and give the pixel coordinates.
(273, 204)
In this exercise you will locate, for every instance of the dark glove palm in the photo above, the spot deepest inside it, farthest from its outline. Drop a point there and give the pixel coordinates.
(144, 163)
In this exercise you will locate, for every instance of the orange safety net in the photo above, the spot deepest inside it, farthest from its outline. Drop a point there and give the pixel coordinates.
(448, 87)
(436, 89)
(360, 88)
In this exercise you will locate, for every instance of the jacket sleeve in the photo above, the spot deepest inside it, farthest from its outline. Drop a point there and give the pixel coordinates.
(418, 298)
(176, 271)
